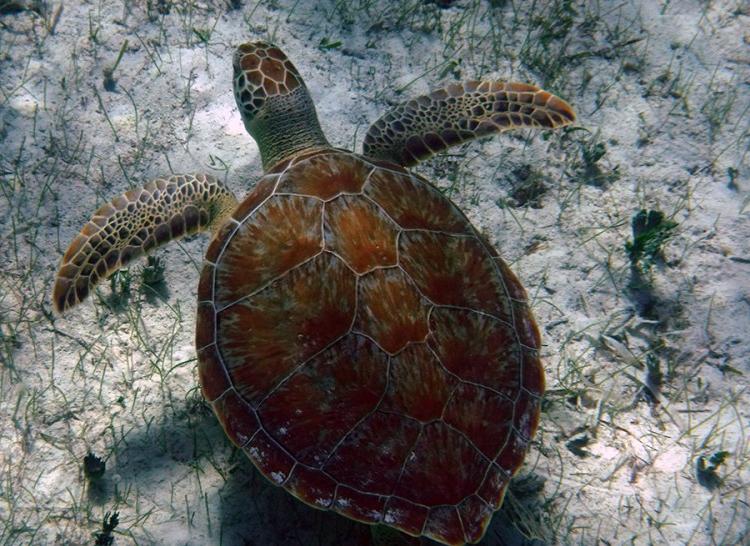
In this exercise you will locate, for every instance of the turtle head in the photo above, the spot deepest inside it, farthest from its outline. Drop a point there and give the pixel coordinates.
(276, 108)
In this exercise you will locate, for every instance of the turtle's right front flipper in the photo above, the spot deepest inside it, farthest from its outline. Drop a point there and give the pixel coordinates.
(418, 128)
(135, 223)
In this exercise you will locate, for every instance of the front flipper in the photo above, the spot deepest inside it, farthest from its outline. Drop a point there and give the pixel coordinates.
(133, 224)
(416, 129)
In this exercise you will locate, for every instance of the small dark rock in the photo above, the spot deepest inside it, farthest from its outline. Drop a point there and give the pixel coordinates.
(93, 467)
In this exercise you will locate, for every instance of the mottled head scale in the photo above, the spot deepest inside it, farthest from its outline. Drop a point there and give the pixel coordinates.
(274, 102)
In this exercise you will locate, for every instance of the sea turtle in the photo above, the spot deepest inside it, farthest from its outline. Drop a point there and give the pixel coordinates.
(357, 338)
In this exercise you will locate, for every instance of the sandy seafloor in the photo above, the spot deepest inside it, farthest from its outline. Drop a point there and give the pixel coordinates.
(662, 91)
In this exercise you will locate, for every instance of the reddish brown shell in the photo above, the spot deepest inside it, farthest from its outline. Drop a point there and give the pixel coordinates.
(367, 349)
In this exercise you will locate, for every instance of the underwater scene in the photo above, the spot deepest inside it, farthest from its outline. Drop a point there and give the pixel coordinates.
(370, 273)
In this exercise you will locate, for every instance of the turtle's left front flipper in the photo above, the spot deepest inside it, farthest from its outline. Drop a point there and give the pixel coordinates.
(133, 224)
(416, 129)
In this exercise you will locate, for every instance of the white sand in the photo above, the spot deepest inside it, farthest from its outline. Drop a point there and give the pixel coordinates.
(672, 110)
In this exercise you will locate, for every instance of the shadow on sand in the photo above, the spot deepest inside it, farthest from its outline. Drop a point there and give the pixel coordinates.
(251, 510)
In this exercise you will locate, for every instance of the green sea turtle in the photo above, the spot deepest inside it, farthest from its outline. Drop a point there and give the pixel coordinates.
(357, 338)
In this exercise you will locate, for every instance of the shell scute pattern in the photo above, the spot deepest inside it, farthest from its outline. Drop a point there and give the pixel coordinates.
(397, 192)
(269, 457)
(265, 336)
(357, 337)
(455, 271)
(492, 489)
(237, 417)
(213, 377)
(469, 344)
(360, 233)
(312, 487)
(385, 353)
(472, 511)
(474, 410)
(420, 388)
(406, 515)
(324, 176)
(390, 310)
(280, 235)
(371, 456)
(330, 394)
(445, 522)
(445, 452)
(358, 505)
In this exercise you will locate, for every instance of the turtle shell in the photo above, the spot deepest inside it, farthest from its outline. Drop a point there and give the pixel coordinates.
(367, 349)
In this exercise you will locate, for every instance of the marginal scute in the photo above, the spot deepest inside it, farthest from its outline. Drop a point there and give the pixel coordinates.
(206, 317)
(526, 415)
(211, 373)
(311, 486)
(405, 515)
(206, 285)
(475, 514)
(444, 523)
(494, 484)
(239, 420)
(330, 394)
(260, 193)
(268, 457)
(511, 456)
(526, 327)
(359, 506)
(515, 289)
(532, 377)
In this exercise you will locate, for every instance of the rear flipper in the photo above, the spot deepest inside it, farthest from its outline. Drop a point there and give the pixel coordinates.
(416, 129)
(135, 223)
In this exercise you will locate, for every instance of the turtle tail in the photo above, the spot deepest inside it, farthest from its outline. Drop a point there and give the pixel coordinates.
(134, 223)
(416, 129)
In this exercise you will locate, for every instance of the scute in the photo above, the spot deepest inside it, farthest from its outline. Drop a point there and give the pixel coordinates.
(414, 203)
(281, 234)
(266, 336)
(329, 395)
(454, 270)
(325, 175)
(372, 455)
(391, 311)
(419, 387)
(477, 348)
(367, 349)
(445, 467)
(360, 233)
